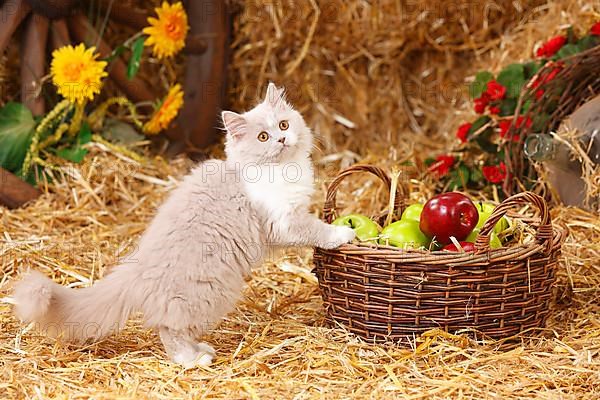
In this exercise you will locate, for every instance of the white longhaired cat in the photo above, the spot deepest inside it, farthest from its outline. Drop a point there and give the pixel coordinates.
(192, 260)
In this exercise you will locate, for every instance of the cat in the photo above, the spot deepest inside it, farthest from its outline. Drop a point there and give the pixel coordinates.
(192, 261)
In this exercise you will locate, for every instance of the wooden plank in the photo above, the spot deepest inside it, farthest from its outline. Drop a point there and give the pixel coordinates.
(11, 15)
(33, 63)
(14, 192)
(205, 78)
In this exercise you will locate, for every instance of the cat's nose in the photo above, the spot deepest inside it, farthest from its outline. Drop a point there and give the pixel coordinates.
(282, 140)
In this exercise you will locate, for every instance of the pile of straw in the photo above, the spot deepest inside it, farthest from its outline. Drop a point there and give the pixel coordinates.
(352, 78)
(276, 344)
(370, 74)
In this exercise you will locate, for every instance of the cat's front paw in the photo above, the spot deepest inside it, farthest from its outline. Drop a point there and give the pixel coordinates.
(339, 235)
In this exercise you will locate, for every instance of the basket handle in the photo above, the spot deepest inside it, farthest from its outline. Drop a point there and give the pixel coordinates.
(330, 199)
(544, 232)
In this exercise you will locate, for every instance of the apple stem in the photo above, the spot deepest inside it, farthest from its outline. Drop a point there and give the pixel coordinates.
(393, 186)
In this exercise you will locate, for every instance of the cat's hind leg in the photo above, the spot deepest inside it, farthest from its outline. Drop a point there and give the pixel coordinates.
(183, 349)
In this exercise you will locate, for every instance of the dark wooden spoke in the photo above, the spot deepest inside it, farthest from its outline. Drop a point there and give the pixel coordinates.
(59, 33)
(11, 15)
(14, 192)
(205, 74)
(33, 63)
(53, 9)
(124, 14)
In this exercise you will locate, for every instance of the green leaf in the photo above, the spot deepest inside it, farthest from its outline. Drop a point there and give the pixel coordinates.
(531, 68)
(479, 122)
(507, 107)
(485, 143)
(476, 175)
(480, 83)
(74, 154)
(136, 55)
(120, 132)
(459, 177)
(429, 161)
(587, 42)
(85, 134)
(566, 51)
(513, 78)
(115, 53)
(16, 130)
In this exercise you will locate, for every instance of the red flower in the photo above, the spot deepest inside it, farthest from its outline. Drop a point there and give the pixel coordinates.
(550, 48)
(528, 122)
(495, 91)
(442, 165)
(463, 131)
(494, 110)
(494, 173)
(595, 29)
(504, 126)
(481, 103)
(539, 80)
(552, 74)
(539, 93)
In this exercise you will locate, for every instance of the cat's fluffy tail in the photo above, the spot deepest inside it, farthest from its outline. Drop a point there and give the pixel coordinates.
(77, 314)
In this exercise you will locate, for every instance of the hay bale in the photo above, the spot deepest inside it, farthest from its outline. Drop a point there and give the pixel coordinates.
(366, 72)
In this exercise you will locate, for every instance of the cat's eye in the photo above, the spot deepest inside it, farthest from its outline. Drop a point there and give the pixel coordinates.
(283, 125)
(263, 136)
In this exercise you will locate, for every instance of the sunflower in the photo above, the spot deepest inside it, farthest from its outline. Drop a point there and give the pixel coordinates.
(76, 73)
(167, 32)
(166, 111)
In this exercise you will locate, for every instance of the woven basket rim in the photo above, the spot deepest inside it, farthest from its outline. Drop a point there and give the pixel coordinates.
(559, 234)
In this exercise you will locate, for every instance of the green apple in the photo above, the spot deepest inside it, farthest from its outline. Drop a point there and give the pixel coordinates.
(485, 210)
(412, 212)
(365, 228)
(405, 234)
(495, 242)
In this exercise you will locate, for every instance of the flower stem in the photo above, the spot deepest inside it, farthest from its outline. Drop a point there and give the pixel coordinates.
(34, 148)
(75, 125)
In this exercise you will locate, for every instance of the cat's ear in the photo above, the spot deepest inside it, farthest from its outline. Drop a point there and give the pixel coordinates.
(234, 123)
(274, 95)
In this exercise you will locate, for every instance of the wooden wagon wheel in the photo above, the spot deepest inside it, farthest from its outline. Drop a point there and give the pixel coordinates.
(54, 23)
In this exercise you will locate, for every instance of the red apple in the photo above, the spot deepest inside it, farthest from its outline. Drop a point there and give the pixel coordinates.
(467, 247)
(448, 214)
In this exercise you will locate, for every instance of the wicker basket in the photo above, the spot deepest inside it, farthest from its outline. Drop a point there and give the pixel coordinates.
(383, 293)
(577, 81)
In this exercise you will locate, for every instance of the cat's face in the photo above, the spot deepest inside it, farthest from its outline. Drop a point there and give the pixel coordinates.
(272, 132)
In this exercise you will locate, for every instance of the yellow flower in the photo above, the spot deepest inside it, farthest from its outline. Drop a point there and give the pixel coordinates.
(167, 33)
(166, 112)
(76, 73)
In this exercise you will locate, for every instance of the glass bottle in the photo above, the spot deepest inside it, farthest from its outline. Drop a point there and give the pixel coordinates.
(564, 173)
(564, 167)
